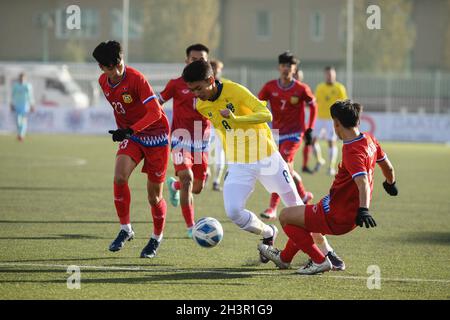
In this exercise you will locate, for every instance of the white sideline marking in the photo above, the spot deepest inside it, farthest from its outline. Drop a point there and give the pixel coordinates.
(106, 268)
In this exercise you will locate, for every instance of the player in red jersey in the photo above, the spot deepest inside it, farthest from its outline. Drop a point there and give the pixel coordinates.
(189, 141)
(143, 133)
(287, 97)
(307, 146)
(347, 204)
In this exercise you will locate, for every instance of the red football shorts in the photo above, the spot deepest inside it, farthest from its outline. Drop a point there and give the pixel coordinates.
(317, 221)
(156, 159)
(288, 149)
(195, 161)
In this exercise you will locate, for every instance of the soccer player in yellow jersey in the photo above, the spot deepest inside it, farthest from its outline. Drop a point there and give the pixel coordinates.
(240, 120)
(327, 93)
(219, 154)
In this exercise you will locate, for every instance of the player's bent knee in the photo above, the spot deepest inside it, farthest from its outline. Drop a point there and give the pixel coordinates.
(120, 179)
(186, 180)
(233, 211)
(292, 215)
(197, 187)
(153, 200)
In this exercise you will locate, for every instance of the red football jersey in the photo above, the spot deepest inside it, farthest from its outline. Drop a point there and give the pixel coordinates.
(132, 99)
(359, 157)
(288, 107)
(185, 114)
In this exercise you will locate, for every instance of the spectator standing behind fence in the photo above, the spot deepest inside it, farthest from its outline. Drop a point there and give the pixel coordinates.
(22, 103)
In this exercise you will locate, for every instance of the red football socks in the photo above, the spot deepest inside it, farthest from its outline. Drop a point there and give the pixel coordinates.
(159, 217)
(122, 200)
(304, 242)
(188, 214)
(177, 185)
(274, 201)
(300, 188)
(289, 251)
(306, 152)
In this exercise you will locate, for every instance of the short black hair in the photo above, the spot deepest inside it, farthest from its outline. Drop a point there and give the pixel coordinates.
(329, 68)
(108, 53)
(288, 57)
(197, 71)
(347, 112)
(196, 47)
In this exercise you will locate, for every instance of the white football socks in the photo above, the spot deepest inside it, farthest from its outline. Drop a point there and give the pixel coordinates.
(126, 227)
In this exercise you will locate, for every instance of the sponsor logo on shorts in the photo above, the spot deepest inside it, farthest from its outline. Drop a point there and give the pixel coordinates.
(158, 174)
(315, 208)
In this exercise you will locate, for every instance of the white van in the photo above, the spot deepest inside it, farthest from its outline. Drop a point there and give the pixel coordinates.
(53, 86)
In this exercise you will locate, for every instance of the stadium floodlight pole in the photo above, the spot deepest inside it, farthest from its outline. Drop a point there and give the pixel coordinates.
(125, 22)
(349, 58)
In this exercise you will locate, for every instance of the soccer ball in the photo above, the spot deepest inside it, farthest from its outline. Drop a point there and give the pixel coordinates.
(207, 232)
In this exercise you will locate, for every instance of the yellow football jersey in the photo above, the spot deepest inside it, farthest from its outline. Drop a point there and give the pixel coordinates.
(245, 135)
(326, 95)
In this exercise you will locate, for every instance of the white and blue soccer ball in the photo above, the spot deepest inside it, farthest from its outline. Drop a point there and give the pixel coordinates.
(207, 232)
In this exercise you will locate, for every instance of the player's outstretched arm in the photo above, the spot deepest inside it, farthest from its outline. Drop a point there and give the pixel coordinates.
(388, 172)
(363, 216)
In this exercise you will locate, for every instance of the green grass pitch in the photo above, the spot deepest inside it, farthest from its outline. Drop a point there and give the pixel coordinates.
(56, 210)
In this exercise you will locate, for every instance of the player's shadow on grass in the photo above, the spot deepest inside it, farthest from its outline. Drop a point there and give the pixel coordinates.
(171, 278)
(76, 260)
(430, 237)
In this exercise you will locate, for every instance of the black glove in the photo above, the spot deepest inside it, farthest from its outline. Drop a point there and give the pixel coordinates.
(308, 137)
(390, 188)
(364, 218)
(121, 134)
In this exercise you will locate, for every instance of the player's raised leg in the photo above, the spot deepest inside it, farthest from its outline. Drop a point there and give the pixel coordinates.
(235, 197)
(123, 168)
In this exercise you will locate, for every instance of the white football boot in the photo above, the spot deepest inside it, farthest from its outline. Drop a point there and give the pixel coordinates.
(273, 254)
(313, 268)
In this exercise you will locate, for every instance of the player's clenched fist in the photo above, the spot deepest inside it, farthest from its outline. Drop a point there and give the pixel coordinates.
(390, 188)
(308, 136)
(225, 113)
(121, 134)
(364, 218)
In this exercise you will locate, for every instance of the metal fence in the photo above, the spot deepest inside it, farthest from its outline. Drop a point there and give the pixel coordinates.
(418, 92)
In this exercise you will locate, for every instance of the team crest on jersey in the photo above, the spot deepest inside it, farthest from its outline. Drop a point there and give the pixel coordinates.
(210, 115)
(127, 97)
(275, 94)
(294, 100)
(230, 107)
